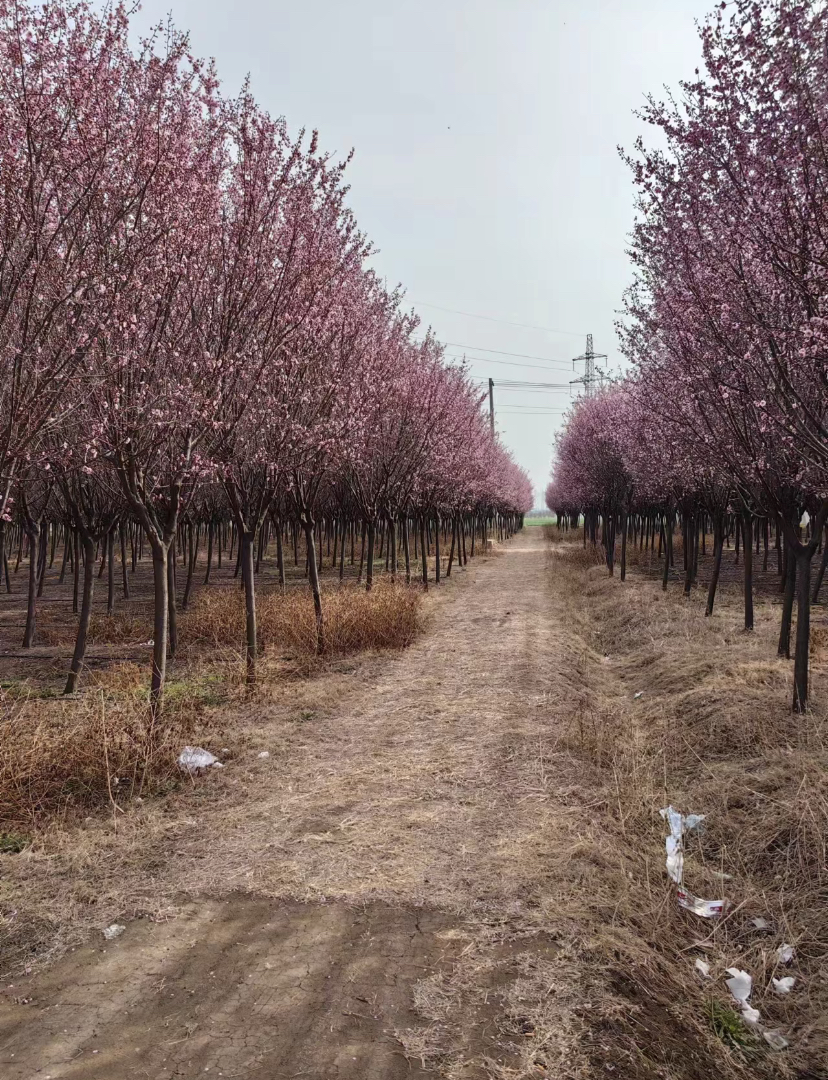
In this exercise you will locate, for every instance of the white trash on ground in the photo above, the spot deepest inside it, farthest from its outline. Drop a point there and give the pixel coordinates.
(703, 968)
(785, 953)
(193, 758)
(113, 931)
(681, 824)
(639, 694)
(740, 985)
(264, 754)
(760, 923)
(784, 986)
(775, 1040)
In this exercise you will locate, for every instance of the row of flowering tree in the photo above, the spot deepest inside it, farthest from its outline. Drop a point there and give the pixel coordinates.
(187, 318)
(723, 421)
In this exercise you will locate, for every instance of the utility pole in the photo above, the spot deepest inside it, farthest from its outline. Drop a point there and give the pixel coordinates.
(589, 378)
(491, 406)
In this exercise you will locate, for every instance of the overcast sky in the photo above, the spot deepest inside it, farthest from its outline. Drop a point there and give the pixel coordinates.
(486, 168)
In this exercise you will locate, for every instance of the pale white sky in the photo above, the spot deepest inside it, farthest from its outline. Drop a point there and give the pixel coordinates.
(486, 168)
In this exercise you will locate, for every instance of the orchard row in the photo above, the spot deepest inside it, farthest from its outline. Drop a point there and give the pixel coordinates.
(722, 421)
(189, 327)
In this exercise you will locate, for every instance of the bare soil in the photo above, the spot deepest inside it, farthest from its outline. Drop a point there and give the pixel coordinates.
(434, 871)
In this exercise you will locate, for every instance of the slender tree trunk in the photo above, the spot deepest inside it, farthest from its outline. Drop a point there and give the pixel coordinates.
(361, 555)
(247, 538)
(437, 551)
(77, 559)
(33, 532)
(191, 561)
(747, 548)
(406, 552)
(280, 557)
(63, 562)
(160, 575)
(624, 523)
(451, 551)
(789, 582)
(86, 611)
(424, 551)
(172, 615)
(369, 565)
(803, 627)
(210, 552)
(124, 575)
(313, 578)
(823, 562)
(110, 572)
(718, 545)
(342, 537)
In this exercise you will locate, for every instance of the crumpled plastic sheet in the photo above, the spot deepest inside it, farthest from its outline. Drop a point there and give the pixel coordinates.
(679, 825)
(193, 758)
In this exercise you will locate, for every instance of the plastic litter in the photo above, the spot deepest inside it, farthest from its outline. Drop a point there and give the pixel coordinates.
(113, 931)
(707, 909)
(639, 694)
(740, 985)
(760, 923)
(680, 824)
(193, 758)
(784, 986)
(775, 1040)
(264, 754)
(785, 953)
(703, 968)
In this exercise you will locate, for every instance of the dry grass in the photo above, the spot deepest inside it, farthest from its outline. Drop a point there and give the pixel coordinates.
(60, 757)
(711, 733)
(355, 620)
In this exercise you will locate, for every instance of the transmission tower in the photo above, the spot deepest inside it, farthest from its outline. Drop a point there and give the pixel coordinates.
(589, 379)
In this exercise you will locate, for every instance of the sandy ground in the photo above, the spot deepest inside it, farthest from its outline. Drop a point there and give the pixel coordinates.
(377, 887)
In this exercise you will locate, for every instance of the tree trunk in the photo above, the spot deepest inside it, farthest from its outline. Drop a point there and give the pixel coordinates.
(247, 537)
(76, 568)
(313, 578)
(718, 545)
(86, 611)
(823, 562)
(160, 574)
(280, 556)
(451, 551)
(424, 551)
(191, 561)
(110, 570)
(747, 549)
(369, 563)
(624, 546)
(406, 552)
(784, 645)
(210, 552)
(172, 616)
(803, 627)
(437, 552)
(33, 532)
(124, 575)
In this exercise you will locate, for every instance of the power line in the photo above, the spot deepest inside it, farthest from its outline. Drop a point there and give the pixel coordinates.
(511, 384)
(502, 352)
(491, 318)
(503, 363)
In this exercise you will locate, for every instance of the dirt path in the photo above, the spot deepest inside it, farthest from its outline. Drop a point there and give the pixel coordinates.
(385, 881)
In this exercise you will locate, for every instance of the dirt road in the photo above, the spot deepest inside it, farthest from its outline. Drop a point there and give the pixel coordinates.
(377, 897)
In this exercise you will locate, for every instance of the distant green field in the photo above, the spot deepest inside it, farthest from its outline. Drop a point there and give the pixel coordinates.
(548, 520)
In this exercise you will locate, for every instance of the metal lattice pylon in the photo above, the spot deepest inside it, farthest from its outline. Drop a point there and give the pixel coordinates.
(590, 379)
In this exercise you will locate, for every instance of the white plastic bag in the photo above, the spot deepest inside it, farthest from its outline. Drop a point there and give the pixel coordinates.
(193, 758)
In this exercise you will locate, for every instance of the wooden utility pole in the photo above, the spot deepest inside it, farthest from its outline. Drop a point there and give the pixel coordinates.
(491, 405)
